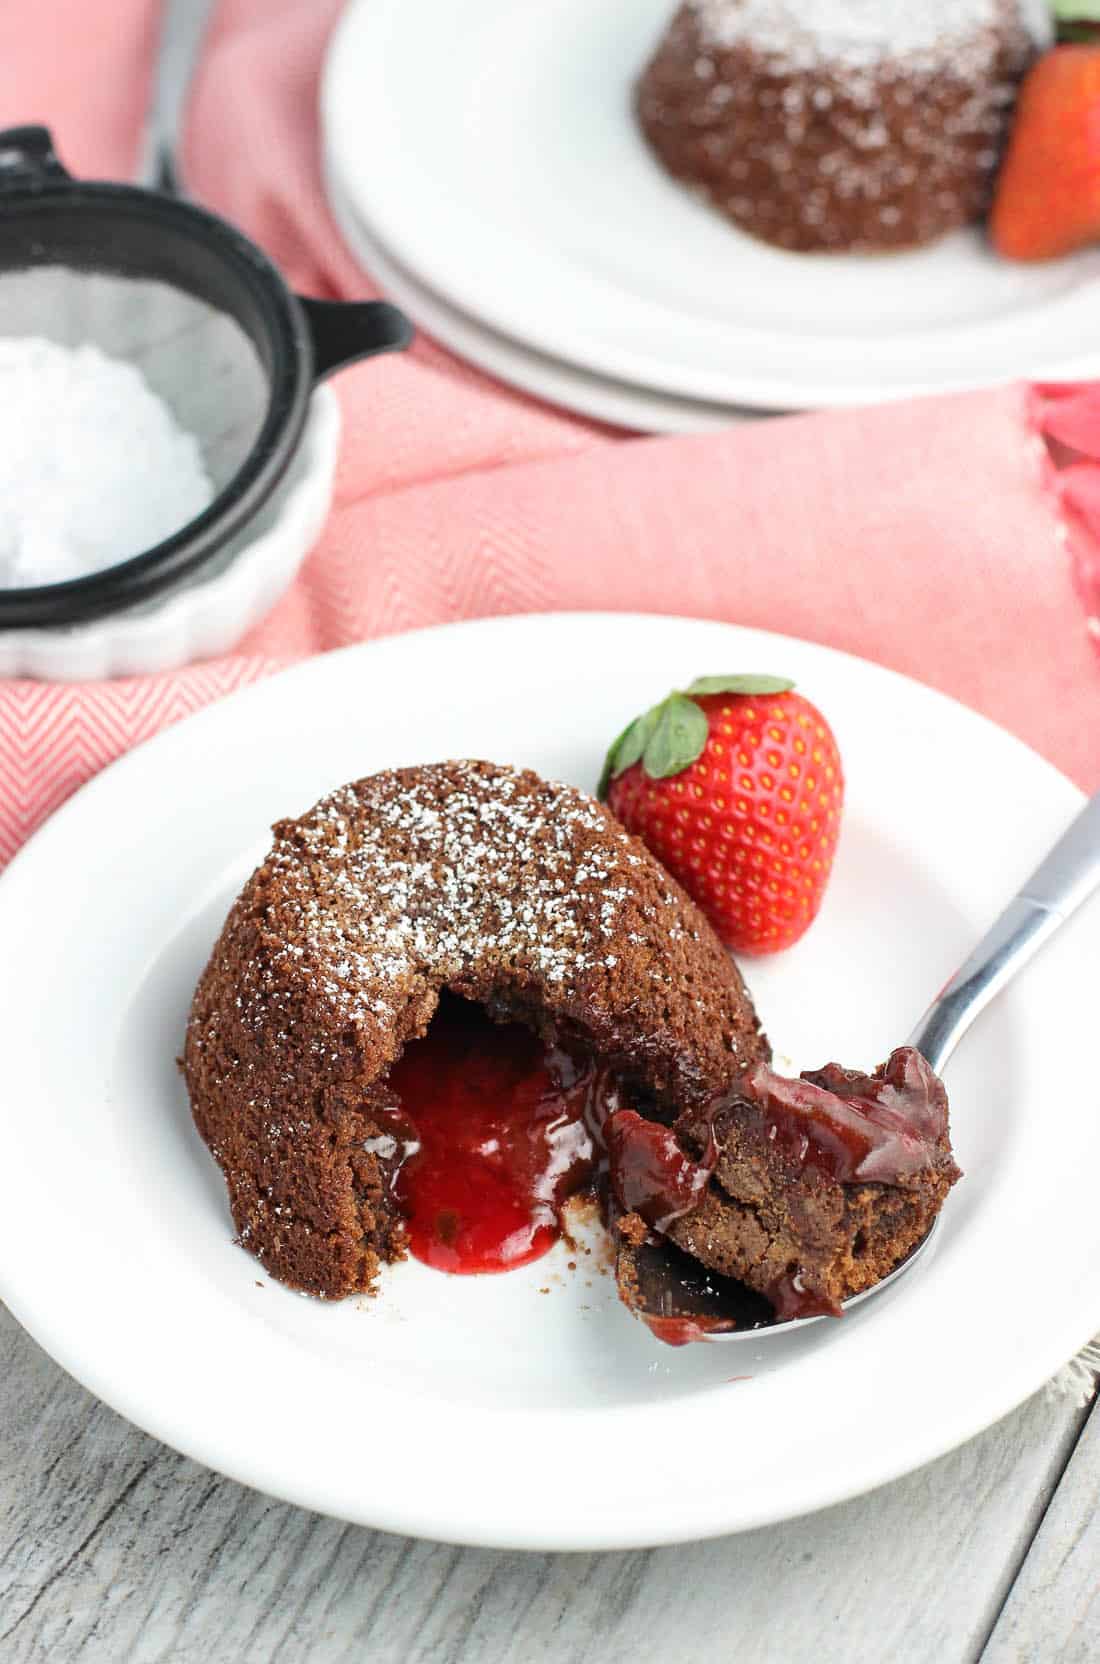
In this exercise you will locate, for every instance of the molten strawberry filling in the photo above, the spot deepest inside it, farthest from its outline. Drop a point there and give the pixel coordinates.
(499, 1129)
(495, 1121)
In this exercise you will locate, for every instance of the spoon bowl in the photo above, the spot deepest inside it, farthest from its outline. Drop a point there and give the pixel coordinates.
(789, 1325)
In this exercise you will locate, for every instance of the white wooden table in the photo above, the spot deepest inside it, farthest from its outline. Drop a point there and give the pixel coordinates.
(114, 1548)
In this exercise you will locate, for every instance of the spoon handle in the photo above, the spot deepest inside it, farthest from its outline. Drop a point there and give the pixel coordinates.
(182, 27)
(1057, 888)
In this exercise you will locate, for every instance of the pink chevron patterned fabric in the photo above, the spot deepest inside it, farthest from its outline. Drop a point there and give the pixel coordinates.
(937, 537)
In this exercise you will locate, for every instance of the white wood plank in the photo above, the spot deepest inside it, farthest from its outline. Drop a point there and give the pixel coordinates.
(1053, 1611)
(112, 1547)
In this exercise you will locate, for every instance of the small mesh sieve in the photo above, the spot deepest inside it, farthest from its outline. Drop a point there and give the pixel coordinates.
(204, 315)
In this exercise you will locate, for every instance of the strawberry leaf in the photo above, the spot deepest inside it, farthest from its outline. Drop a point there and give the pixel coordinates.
(627, 749)
(677, 739)
(608, 770)
(758, 685)
(669, 737)
(1078, 20)
(633, 742)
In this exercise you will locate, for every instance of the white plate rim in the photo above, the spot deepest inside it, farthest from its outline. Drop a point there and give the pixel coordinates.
(553, 380)
(1002, 1393)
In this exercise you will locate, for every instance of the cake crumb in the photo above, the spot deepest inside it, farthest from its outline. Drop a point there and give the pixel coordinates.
(633, 1228)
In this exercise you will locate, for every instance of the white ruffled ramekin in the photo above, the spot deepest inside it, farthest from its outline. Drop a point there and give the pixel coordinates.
(208, 613)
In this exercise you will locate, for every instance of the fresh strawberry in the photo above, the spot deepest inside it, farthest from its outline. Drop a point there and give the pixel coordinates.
(1047, 201)
(737, 787)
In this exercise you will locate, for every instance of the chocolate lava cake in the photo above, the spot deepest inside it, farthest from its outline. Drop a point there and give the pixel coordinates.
(524, 896)
(843, 125)
(469, 880)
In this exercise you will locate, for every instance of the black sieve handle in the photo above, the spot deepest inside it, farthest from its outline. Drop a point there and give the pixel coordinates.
(345, 331)
(28, 158)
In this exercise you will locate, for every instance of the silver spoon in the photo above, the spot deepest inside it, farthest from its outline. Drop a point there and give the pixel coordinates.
(1060, 884)
(183, 25)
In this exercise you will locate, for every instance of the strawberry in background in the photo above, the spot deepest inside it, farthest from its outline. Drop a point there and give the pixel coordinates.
(1047, 201)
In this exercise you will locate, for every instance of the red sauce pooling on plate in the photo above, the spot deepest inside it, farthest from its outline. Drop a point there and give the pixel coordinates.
(495, 1120)
(682, 1331)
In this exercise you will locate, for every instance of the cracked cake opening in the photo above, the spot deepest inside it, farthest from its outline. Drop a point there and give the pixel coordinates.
(492, 1134)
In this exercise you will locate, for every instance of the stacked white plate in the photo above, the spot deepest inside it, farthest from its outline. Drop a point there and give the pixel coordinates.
(484, 164)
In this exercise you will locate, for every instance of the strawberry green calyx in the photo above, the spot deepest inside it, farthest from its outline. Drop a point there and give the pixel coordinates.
(755, 685)
(678, 737)
(670, 736)
(1077, 20)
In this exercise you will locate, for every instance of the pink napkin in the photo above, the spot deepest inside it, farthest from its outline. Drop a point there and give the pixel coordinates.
(937, 537)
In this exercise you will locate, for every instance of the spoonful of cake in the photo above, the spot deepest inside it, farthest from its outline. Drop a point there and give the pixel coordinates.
(829, 1187)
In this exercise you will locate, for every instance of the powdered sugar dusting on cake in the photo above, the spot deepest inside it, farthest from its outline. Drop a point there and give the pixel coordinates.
(388, 877)
(803, 34)
(840, 124)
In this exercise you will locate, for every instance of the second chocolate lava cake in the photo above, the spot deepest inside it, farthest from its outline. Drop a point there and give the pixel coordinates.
(840, 125)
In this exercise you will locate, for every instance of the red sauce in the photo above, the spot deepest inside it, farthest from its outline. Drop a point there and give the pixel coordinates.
(650, 1174)
(791, 1300)
(499, 1121)
(879, 1128)
(681, 1331)
(497, 1129)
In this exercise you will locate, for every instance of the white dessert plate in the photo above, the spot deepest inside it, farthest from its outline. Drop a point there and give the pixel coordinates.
(618, 402)
(492, 148)
(483, 1410)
